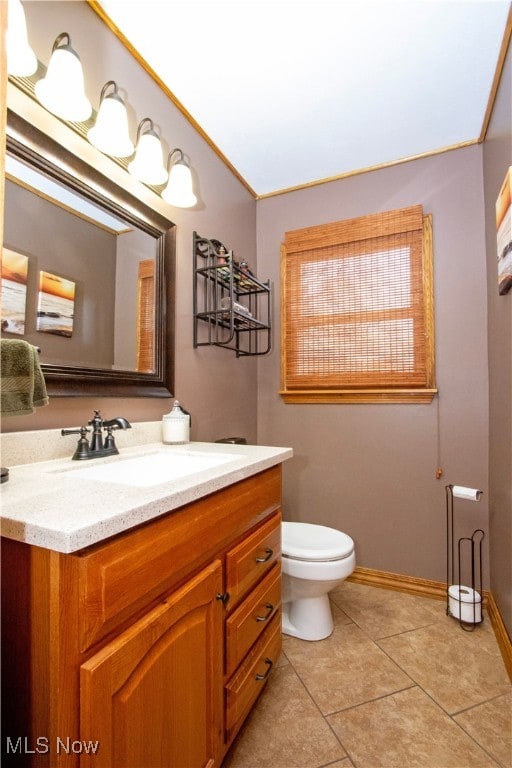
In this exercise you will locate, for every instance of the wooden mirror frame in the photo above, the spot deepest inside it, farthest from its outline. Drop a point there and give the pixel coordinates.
(30, 145)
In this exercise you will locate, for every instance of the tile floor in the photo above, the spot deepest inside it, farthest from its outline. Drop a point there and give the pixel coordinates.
(397, 685)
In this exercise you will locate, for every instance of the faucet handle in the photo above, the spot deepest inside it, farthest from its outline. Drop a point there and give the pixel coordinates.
(97, 419)
(82, 448)
(80, 431)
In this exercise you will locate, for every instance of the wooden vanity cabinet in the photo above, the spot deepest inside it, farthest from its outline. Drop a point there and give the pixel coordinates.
(146, 650)
(166, 667)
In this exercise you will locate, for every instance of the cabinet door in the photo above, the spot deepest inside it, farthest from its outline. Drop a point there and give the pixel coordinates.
(153, 696)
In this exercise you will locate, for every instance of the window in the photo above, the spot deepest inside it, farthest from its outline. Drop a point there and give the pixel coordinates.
(146, 315)
(357, 310)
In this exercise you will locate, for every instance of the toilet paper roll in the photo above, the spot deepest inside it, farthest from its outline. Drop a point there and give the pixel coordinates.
(465, 604)
(471, 494)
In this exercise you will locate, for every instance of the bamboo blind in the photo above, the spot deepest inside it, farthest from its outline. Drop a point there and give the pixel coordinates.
(146, 316)
(355, 305)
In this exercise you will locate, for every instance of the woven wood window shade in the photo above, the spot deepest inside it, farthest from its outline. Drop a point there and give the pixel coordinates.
(357, 310)
(146, 316)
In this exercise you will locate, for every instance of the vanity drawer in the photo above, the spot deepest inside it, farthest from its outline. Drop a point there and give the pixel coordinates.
(248, 562)
(251, 618)
(246, 685)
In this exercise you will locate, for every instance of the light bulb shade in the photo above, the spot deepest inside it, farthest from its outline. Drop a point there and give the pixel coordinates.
(62, 90)
(21, 59)
(147, 165)
(178, 191)
(110, 132)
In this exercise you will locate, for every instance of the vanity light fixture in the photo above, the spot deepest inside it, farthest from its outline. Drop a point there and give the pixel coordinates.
(62, 90)
(110, 132)
(21, 59)
(147, 165)
(179, 191)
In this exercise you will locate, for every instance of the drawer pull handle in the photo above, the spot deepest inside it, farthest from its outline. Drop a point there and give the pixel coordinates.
(266, 674)
(223, 597)
(268, 554)
(269, 608)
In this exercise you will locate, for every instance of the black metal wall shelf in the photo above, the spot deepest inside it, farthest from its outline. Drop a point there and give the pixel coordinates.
(231, 306)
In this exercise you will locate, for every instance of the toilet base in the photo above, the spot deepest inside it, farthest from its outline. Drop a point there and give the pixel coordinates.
(308, 618)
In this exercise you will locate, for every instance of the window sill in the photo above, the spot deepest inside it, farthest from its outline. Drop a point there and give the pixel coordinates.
(419, 396)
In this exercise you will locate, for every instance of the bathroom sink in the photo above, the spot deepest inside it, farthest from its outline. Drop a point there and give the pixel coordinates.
(152, 469)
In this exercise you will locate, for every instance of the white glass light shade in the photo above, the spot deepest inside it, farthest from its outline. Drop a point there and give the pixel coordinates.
(178, 191)
(147, 165)
(62, 90)
(110, 132)
(21, 59)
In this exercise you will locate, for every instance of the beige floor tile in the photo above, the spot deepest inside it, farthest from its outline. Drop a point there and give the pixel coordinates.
(458, 669)
(490, 724)
(284, 730)
(383, 612)
(406, 730)
(345, 669)
(367, 680)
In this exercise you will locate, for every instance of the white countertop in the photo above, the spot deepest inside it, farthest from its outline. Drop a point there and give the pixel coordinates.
(49, 504)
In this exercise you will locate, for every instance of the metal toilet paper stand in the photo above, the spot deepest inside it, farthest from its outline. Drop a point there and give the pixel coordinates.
(469, 548)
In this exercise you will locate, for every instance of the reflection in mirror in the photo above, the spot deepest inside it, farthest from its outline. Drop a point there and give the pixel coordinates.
(108, 266)
(87, 274)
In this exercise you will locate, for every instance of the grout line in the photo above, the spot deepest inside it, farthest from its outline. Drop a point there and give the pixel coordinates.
(335, 762)
(375, 698)
(461, 727)
(405, 631)
(318, 709)
(479, 704)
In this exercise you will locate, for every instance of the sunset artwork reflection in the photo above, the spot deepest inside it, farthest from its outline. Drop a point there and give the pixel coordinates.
(56, 304)
(14, 291)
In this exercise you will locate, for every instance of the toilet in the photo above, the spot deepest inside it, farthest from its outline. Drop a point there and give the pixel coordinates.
(315, 559)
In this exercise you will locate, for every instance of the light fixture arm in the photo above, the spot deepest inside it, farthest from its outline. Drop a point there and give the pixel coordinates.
(114, 94)
(151, 130)
(180, 160)
(67, 45)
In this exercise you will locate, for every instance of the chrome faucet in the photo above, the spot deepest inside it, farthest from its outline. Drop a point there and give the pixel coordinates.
(99, 445)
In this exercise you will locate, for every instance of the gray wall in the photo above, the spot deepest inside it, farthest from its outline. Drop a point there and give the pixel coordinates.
(497, 158)
(370, 469)
(74, 248)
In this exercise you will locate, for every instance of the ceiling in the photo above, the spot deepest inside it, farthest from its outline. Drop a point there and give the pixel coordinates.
(292, 92)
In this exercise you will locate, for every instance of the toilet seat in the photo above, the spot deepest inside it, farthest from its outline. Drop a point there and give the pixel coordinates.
(318, 543)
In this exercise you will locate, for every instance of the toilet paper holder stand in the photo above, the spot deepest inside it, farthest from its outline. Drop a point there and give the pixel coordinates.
(469, 612)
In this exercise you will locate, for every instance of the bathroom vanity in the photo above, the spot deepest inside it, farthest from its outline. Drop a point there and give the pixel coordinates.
(149, 645)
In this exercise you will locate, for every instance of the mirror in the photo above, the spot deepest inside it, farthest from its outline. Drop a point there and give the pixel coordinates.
(87, 274)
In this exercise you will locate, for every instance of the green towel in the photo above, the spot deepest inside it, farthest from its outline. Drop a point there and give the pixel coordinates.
(22, 386)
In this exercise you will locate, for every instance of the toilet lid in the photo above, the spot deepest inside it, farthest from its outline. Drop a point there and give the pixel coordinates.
(304, 541)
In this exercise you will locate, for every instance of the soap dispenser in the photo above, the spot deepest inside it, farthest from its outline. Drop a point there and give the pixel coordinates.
(176, 425)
